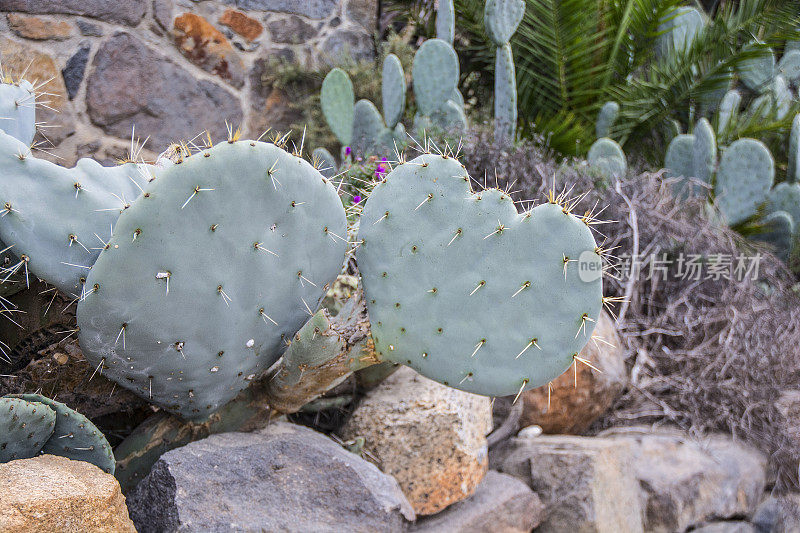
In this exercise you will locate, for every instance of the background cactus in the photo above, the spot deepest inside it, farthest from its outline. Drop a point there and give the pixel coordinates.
(607, 157)
(745, 176)
(446, 21)
(757, 72)
(679, 32)
(245, 231)
(338, 104)
(606, 118)
(74, 436)
(18, 110)
(501, 19)
(24, 428)
(466, 290)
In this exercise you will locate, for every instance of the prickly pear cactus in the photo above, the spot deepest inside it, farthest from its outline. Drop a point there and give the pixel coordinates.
(501, 19)
(58, 219)
(74, 436)
(338, 101)
(446, 21)
(789, 66)
(435, 73)
(393, 90)
(793, 173)
(727, 109)
(606, 156)
(606, 118)
(745, 176)
(18, 111)
(505, 95)
(786, 196)
(469, 292)
(369, 131)
(777, 230)
(210, 273)
(679, 164)
(324, 161)
(679, 32)
(704, 151)
(24, 428)
(757, 72)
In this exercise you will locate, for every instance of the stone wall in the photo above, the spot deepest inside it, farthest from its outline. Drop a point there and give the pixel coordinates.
(172, 68)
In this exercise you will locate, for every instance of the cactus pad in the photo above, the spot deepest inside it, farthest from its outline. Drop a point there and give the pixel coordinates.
(704, 151)
(445, 21)
(24, 428)
(501, 19)
(757, 72)
(606, 156)
(466, 290)
(606, 118)
(18, 111)
(745, 176)
(393, 90)
(337, 99)
(369, 132)
(679, 164)
(324, 162)
(505, 95)
(679, 31)
(59, 219)
(727, 108)
(210, 273)
(435, 72)
(74, 436)
(777, 230)
(793, 172)
(789, 66)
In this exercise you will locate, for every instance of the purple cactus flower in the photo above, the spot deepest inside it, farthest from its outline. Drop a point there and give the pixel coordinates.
(347, 150)
(356, 199)
(380, 172)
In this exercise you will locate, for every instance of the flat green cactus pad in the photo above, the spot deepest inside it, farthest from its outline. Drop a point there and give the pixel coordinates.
(74, 436)
(210, 272)
(745, 176)
(24, 428)
(469, 292)
(18, 111)
(501, 19)
(435, 73)
(338, 100)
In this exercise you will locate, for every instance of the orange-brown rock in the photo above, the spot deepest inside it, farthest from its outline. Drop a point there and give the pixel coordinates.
(50, 494)
(429, 437)
(247, 27)
(208, 48)
(38, 28)
(572, 410)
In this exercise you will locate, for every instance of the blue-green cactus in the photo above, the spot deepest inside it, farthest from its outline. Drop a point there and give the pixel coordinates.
(435, 73)
(338, 101)
(745, 176)
(74, 436)
(469, 292)
(25, 427)
(607, 157)
(324, 161)
(393, 90)
(18, 110)
(505, 95)
(704, 151)
(679, 164)
(778, 230)
(58, 219)
(756, 73)
(243, 231)
(367, 127)
(501, 19)
(728, 108)
(446, 21)
(679, 31)
(789, 66)
(606, 118)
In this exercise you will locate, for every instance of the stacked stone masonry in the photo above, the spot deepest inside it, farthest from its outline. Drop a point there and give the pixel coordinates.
(172, 68)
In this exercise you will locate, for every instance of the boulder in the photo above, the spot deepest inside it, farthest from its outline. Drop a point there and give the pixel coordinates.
(54, 494)
(430, 437)
(283, 478)
(39, 29)
(133, 84)
(124, 12)
(502, 504)
(247, 27)
(573, 409)
(315, 9)
(687, 482)
(586, 483)
(778, 514)
(205, 46)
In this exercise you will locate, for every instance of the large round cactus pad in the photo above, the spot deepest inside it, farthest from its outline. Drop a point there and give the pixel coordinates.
(469, 292)
(210, 273)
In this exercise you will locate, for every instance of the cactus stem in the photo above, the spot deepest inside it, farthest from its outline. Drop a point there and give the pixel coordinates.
(524, 286)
